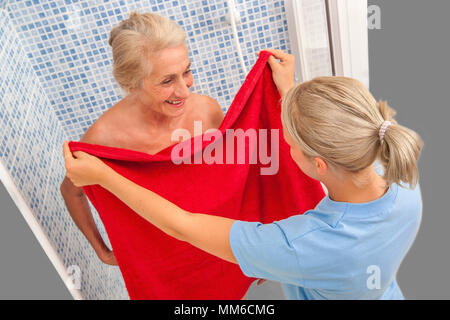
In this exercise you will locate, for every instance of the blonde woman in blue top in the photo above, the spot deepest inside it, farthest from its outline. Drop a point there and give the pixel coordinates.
(352, 244)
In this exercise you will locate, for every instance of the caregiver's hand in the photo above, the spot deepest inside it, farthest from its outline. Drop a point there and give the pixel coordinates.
(282, 71)
(82, 168)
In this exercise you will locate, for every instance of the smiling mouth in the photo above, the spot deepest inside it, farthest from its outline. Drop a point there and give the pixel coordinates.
(175, 102)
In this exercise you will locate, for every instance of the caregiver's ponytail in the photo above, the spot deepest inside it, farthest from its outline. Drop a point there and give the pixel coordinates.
(399, 151)
(338, 119)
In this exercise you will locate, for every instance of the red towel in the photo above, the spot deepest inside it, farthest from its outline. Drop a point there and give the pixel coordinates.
(156, 266)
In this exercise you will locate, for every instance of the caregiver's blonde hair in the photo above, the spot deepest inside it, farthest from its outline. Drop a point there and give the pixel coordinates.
(338, 120)
(135, 39)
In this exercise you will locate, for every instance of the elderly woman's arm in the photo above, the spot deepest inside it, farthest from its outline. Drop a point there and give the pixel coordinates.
(206, 232)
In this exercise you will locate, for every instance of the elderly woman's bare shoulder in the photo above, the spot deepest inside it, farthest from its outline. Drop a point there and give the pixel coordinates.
(209, 109)
(102, 131)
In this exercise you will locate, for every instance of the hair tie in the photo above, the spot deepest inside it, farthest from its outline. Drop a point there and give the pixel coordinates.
(383, 129)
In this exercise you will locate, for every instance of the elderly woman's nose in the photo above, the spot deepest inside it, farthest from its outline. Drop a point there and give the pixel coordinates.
(182, 89)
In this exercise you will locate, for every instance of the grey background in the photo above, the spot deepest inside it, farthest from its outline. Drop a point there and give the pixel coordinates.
(409, 67)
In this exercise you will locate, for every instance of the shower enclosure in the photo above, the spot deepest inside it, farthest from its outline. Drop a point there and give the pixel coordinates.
(56, 80)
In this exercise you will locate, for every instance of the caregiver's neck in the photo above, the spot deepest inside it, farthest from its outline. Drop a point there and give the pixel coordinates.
(372, 187)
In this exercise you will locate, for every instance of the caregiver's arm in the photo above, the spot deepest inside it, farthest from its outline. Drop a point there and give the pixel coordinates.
(206, 232)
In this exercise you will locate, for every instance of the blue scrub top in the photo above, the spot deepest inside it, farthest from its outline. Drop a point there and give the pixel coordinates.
(338, 250)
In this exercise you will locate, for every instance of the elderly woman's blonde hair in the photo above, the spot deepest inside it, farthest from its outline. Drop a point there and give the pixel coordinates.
(135, 39)
(338, 120)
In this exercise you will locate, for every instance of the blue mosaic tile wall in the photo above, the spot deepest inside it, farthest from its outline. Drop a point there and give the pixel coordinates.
(56, 80)
(31, 137)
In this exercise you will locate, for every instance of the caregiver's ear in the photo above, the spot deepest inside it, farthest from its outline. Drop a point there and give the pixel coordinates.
(321, 165)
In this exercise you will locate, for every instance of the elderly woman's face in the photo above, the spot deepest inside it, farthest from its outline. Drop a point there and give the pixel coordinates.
(167, 88)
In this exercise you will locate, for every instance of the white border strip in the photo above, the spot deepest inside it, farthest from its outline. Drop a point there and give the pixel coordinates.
(349, 37)
(37, 230)
(295, 28)
(349, 34)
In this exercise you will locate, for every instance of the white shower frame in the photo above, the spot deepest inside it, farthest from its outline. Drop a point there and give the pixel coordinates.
(348, 36)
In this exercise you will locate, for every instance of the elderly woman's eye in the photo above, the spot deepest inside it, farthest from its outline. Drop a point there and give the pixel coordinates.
(187, 71)
(166, 81)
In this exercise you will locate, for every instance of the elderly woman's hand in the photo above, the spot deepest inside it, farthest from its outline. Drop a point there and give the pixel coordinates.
(82, 168)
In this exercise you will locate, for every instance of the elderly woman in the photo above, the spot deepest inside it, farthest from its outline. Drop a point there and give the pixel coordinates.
(151, 64)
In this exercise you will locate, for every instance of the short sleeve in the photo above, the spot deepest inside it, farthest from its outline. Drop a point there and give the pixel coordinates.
(263, 251)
